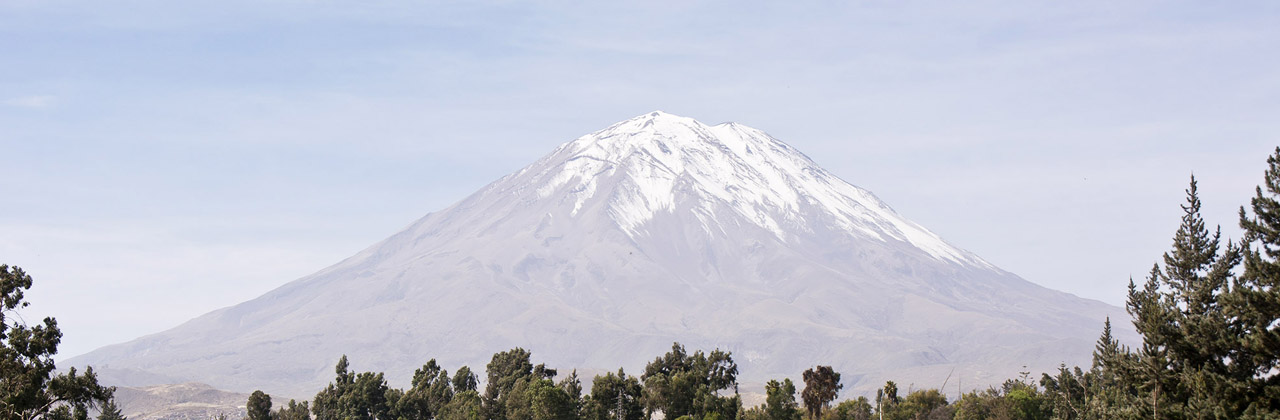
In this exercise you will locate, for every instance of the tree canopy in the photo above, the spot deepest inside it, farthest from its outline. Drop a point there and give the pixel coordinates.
(29, 389)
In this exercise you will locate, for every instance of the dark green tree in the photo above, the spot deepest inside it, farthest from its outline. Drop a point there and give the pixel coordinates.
(464, 380)
(110, 411)
(679, 384)
(428, 392)
(293, 411)
(547, 401)
(886, 397)
(855, 409)
(28, 387)
(615, 397)
(1185, 364)
(921, 404)
(572, 387)
(465, 405)
(780, 400)
(258, 406)
(353, 396)
(505, 370)
(1254, 301)
(821, 385)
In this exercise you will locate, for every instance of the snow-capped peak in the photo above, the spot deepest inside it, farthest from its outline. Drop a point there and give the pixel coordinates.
(645, 164)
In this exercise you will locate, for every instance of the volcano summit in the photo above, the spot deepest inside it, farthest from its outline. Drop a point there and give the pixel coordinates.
(601, 254)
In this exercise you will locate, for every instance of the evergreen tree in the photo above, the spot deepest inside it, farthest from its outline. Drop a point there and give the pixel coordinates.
(1254, 302)
(111, 412)
(259, 406)
(1184, 366)
(293, 411)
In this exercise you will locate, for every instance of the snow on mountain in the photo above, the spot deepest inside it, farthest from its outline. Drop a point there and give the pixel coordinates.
(601, 254)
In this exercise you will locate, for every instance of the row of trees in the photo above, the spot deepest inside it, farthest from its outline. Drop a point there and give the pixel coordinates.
(678, 384)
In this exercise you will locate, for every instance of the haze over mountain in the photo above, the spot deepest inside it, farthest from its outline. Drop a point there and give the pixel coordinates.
(601, 254)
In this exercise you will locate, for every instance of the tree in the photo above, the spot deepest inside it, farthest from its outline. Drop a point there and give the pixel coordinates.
(922, 404)
(504, 371)
(111, 412)
(547, 401)
(429, 391)
(1189, 337)
(614, 397)
(780, 401)
(352, 396)
(259, 406)
(293, 411)
(28, 387)
(855, 409)
(466, 405)
(464, 380)
(821, 385)
(679, 384)
(1254, 301)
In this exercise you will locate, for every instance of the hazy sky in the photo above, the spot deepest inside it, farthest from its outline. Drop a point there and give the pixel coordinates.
(164, 159)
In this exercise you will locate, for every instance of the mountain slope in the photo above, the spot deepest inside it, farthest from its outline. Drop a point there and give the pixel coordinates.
(599, 255)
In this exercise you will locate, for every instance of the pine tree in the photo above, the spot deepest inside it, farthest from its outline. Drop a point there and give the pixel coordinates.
(111, 412)
(1182, 367)
(1254, 302)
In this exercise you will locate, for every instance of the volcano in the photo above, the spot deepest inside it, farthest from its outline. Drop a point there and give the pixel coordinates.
(655, 230)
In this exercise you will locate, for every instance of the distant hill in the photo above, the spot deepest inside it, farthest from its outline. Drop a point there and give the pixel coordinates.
(180, 402)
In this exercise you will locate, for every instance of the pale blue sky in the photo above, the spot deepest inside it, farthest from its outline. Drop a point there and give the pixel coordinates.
(164, 159)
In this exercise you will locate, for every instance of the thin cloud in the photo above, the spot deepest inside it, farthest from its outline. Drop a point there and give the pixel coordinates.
(33, 102)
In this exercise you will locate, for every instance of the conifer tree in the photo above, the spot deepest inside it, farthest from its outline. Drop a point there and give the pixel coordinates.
(259, 406)
(1254, 302)
(110, 411)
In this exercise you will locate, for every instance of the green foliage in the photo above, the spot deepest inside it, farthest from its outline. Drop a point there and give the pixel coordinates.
(430, 390)
(258, 406)
(855, 409)
(679, 384)
(780, 401)
(293, 411)
(821, 385)
(28, 387)
(614, 397)
(1254, 301)
(465, 405)
(464, 380)
(506, 370)
(110, 411)
(550, 402)
(353, 396)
